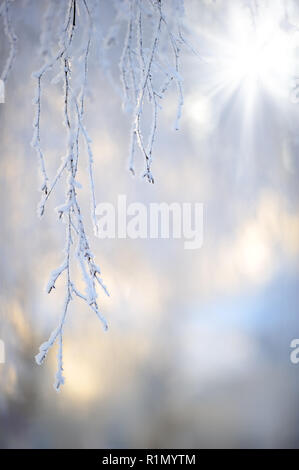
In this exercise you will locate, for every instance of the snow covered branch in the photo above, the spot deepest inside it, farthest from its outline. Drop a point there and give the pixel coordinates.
(146, 71)
(11, 37)
(149, 65)
(70, 211)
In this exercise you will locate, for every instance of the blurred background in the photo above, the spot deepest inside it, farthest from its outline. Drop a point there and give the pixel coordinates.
(198, 350)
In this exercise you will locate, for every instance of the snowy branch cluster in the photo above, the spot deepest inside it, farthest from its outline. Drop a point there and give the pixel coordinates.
(148, 68)
(151, 34)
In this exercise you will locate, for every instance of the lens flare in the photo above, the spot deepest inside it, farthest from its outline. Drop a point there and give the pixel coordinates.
(259, 53)
(264, 57)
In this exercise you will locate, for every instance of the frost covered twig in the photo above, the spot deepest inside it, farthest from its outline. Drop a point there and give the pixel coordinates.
(145, 71)
(70, 211)
(12, 39)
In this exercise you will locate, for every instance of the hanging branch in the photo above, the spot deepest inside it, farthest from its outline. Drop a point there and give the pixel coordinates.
(12, 39)
(70, 211)
(145, 75)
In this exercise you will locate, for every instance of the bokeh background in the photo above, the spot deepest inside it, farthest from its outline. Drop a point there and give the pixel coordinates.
(198, 350)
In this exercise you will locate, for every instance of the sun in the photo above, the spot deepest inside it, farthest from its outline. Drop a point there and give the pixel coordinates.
(265, 57)
(257, 54)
